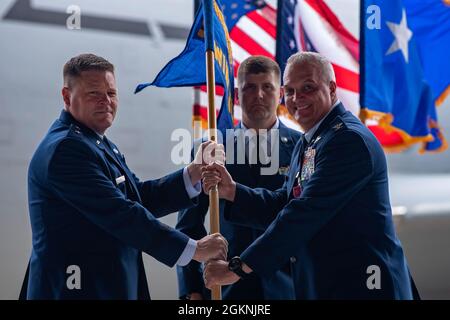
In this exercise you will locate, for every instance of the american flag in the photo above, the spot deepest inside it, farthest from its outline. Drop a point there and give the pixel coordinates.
(308, 25)
(311, 25)
(253, 33)
(329, 27)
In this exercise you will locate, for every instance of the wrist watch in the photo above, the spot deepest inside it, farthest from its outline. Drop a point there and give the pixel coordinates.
(235, 265)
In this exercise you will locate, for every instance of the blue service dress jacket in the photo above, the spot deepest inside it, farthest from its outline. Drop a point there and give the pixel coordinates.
(332, 218)
(191, 222)
(90, 213)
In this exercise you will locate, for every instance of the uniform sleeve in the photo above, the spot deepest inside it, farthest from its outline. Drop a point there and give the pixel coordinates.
(191, 222)
(75, 176)
(164, 195)
(255, 208)
(343, 168)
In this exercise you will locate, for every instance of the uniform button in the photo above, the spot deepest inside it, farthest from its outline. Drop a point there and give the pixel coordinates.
(98, 141)
(284, 139)
(293, 259)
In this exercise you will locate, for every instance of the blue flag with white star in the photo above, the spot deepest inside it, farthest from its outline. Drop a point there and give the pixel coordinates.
(394, 89)
(189, 68)
(430, 22)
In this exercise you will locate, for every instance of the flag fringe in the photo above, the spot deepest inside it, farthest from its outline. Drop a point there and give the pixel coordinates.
(384, 121)
(444, 144)
(440, 100)
(283, 111)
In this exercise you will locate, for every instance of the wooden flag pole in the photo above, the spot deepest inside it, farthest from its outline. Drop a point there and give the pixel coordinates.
(212, 125)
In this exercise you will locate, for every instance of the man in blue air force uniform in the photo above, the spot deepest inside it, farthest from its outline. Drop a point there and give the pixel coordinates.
(332, 217)
(91, 217)
(259, 94)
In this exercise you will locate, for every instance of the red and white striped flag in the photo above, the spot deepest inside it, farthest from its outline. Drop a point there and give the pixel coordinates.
(317, 27)
(254, 34)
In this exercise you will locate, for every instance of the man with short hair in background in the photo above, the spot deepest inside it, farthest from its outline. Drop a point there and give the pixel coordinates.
(259, 94)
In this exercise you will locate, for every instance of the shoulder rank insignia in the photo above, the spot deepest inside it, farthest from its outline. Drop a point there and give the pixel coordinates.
(337, 126)
(77, 129)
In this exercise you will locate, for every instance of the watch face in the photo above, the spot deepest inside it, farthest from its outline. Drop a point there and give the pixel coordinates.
(235, 263)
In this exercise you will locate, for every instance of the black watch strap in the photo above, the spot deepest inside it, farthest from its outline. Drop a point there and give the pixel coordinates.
(235, 265)
(241, 273)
